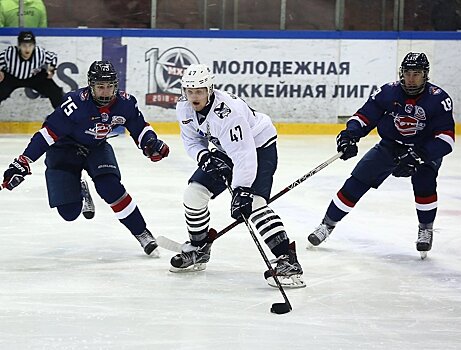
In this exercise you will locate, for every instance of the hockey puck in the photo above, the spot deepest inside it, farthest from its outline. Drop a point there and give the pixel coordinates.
(280, 308)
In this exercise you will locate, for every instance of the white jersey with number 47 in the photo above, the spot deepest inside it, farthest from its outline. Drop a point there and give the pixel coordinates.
(232, 127)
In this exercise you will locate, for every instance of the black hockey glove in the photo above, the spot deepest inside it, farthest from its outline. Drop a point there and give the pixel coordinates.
(156, 149)
(242, 202)
(217, 164)
(347, 144)
(14, 175)
(407, 163)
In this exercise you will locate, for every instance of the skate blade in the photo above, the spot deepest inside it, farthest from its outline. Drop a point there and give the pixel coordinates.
(152, 250)
(423, 255)
(155, 253)
(192, 268)
(294, 281)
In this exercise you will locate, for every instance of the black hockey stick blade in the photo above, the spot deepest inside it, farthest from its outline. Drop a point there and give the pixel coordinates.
(280, 308)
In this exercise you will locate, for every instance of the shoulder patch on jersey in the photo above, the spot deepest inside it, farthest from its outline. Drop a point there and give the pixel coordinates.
(222, 110)
(187, 121)
(84, 94)
(433, 90)
(124, 95)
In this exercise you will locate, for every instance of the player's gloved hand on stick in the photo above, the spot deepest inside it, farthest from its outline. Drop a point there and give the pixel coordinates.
(217, 164)
(14, 175)
(407, 163)
(242, 202)
(347, 144)
(156, 149)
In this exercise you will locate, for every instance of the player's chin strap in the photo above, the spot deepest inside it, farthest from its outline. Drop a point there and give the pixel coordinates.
(174, 246)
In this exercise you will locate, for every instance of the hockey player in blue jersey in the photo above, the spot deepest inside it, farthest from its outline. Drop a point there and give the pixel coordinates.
(414, 119)
(74, 139)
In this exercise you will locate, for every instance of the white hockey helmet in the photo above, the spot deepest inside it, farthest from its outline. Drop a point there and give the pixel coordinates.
(198, 76)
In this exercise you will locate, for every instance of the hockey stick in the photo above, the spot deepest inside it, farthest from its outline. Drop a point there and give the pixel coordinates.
(174, 246)
(277, 308)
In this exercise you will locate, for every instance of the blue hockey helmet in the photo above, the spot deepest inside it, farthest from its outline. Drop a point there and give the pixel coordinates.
(102, 72)
(414, 61)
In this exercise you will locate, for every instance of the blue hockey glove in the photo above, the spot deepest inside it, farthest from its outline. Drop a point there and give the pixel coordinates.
(14, 175)
(407, 163)
(242, 202)
(216, 164)
(347, 144)
(156, 149)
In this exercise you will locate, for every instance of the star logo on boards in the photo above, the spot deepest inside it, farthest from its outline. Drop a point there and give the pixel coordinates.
(165, 72)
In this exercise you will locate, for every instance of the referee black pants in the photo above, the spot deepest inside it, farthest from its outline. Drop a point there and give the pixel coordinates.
(40, 83)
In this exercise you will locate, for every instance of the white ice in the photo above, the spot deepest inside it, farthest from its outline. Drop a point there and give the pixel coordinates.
(88, 285)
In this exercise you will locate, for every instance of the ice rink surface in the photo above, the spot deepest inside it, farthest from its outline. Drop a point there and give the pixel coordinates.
(88, 285)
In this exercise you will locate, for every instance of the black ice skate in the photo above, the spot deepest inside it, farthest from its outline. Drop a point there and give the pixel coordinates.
(320, 234)
(424, 242)
(148, 243)
(288, 270)
(88, 209)
(191, 259)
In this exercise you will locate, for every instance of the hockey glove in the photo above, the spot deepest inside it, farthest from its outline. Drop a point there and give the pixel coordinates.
(347, 144)
(242, 202)
(156, 149)
(14, 175)
(216, 164)
(407, 163)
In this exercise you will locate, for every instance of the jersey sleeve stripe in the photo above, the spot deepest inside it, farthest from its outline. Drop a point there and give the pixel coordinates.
(361, 119)
(269, 142)
(448, 137)
(48, 135)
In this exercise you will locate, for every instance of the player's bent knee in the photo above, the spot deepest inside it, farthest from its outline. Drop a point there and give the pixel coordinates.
(71, 211)
(258, 202)
(196, 196)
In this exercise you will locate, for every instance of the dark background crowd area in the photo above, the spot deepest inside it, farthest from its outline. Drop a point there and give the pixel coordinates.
(365, 15)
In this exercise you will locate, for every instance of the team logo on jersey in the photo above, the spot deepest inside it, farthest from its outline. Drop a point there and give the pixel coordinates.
(104, 117)
(100, 131)
(408, 108)
(164, 75)
(222, 111)
(409, 125)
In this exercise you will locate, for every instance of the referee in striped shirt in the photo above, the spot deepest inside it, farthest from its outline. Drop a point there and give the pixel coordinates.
(27, 65)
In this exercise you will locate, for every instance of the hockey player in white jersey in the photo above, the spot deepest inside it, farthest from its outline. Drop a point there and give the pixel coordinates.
(229, 140)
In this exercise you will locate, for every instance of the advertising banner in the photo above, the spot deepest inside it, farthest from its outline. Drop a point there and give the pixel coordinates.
(292, 80)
